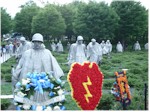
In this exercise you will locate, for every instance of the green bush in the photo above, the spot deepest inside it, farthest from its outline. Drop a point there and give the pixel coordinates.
(107, 84)
(136, 83)
(108, 74)
(116, 61)
(70, 103)
(132, 76)
(67, 86)
(65, 68)
(144, 76)
(106, 102)
(8, 78)
(137, 101)
(136, 62)
(136, 71)
(6, 70)
(140, 58)
(145, 69)
(6, 89)
(106, 61)
(2, 75)
(5, 103)
(6, 67)
(105, 67)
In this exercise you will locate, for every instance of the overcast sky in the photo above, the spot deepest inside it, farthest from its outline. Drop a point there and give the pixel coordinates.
(12, 6)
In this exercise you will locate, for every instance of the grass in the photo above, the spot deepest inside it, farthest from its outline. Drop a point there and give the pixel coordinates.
(135, 61)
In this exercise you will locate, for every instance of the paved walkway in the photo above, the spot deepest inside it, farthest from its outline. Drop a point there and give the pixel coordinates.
(6, 96)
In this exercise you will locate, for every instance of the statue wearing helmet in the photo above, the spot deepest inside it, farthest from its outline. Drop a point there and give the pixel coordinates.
(77, 52)
(102, 44)
(79, 38)
(59, 47)
(108, 46)
(37, 41)
(53, 46)
(24, 45)
(22, 39)
(37, 37)
(37, 59)
(137, 46)
(119, 47)
(94, 51)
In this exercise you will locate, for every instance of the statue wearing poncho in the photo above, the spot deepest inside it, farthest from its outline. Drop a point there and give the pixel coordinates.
(38, 59)
(25, 45)
(119, 47)
(146, 46)
(137, 46)
(108, 46)
(94, 51)
(53, 46)
(103, 46)
(77, 52)
(59, 47)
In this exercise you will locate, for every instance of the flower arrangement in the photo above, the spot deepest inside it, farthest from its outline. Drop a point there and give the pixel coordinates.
(121, 89)
(40, 83)
(86, 84)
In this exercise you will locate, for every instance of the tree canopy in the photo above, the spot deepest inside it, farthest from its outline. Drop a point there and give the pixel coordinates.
(133, 23)
(125, 21)
(68, 13)
(49, 22)
(96, 20)
(23, 19)
(6, 22)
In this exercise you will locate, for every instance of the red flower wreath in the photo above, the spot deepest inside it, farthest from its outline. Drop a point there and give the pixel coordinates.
(86, 84)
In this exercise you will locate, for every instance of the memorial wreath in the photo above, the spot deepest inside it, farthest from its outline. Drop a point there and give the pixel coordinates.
(86, 84)
(121, 89)
(41, 83)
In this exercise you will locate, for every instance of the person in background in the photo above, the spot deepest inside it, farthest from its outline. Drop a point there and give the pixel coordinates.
(11, 48)
(1, 50)
(7, 48)
(4, 52)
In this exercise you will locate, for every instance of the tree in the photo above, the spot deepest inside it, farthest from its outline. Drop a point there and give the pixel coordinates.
(49, 22)
(96, 20)
(24, 18)
(133, 23)
(68, 13)
(6, 22)
(76, 6)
